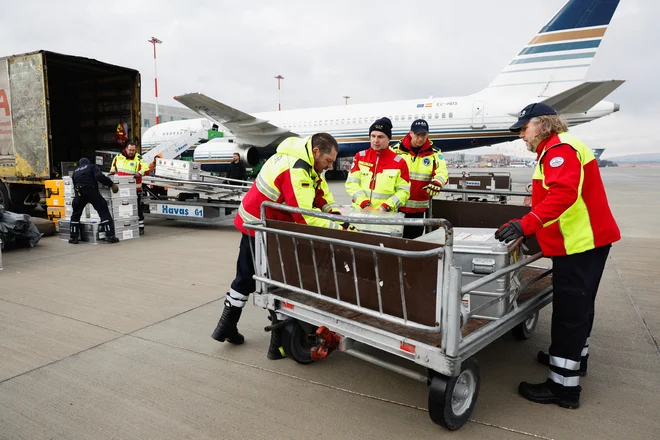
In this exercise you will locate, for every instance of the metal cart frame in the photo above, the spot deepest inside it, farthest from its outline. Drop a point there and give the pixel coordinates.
(452, 372)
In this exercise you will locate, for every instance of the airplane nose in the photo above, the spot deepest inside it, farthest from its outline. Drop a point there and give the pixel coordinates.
(616, 107)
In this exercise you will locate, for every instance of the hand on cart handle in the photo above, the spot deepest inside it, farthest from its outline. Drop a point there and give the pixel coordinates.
(366, 205)
(348, 227)
(385, 207)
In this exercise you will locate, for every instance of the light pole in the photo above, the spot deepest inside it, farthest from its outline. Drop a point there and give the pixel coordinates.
(153, 41)
(346, 98)
(279, 101)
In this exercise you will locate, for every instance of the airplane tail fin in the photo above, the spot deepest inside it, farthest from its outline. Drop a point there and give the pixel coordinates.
(560, 55)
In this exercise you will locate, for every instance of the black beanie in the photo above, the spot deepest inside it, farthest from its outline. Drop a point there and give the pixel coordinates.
(382, 124)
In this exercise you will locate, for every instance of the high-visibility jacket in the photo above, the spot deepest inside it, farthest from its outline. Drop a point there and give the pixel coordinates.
(379, 177)
(425, 164)
(123, 166)
(288, 177)
(570, 213)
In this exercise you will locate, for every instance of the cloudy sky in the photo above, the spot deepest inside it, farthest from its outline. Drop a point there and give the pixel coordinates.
(371, 50)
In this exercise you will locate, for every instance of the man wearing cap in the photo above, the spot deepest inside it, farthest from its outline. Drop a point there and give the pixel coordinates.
(379, 177)
(428, 173)
(574, 226)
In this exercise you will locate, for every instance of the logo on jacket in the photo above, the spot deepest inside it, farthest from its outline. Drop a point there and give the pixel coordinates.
(131, 164)
(427, 161)
(556, 161)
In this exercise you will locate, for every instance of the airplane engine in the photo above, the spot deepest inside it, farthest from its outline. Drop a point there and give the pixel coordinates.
(220, 151)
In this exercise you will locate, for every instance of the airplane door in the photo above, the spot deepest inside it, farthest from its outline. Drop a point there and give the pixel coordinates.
(478, 115)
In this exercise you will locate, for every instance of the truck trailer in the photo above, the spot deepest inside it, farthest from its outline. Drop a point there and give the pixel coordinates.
(55, 109)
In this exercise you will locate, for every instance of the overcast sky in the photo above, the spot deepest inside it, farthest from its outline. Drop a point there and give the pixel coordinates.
(371, 50)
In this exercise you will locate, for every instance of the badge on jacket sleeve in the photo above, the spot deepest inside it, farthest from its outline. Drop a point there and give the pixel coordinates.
(556, 161)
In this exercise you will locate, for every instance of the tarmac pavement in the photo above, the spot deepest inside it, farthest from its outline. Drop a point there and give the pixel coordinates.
(113, 342)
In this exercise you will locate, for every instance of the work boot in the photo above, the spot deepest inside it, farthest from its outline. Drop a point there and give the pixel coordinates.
(544, 358)
(550, 392)
(275, 350)
(74, 240)
(112, 239)
(226, 329)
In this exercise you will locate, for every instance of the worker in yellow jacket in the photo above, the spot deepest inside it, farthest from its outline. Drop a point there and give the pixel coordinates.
(379, 178)
(130, 163)
(428, 173)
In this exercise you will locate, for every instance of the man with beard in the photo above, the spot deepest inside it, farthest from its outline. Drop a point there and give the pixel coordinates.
(130, 163)
(574, 226)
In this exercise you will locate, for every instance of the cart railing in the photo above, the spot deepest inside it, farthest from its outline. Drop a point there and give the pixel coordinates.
(264, 273)
(448, 291)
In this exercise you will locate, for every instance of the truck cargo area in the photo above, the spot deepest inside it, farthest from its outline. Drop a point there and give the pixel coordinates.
(88, 99)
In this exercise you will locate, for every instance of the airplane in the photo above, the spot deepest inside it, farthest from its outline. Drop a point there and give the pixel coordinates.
(550, 68)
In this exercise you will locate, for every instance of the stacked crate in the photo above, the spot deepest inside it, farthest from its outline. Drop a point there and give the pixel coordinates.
(122, 205)
(178, 169)
(55, 209)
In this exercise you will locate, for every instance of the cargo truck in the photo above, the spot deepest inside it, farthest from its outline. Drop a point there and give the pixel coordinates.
(55, 109)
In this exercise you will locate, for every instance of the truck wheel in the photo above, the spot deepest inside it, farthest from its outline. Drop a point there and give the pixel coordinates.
(452, 399)
(4, 197)
(298, 340)
(525, 329)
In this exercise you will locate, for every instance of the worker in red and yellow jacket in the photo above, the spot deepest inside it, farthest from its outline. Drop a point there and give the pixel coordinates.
(379, 178)
(293, 176)
(130, 163)
(428, 173)
(574, 226)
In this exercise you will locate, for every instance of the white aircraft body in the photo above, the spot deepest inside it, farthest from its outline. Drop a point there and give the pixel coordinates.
(551, 68)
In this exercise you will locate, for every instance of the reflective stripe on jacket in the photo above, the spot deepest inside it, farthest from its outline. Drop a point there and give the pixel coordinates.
(288, 177)
(424, 165)
(379, 176)
(570, 213)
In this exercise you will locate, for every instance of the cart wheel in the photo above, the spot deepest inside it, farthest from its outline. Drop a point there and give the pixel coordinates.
(525, 329)
(452, 399)
(298, 342)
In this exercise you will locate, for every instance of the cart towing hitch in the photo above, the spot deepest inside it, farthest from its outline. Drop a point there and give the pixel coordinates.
(330, 342)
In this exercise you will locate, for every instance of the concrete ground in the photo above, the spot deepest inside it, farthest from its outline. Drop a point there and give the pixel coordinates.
(113, 342)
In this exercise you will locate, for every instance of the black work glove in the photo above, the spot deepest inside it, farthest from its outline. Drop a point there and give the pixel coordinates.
(509, 231)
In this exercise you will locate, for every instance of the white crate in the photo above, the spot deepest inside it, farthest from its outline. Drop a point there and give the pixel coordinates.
(393, 230)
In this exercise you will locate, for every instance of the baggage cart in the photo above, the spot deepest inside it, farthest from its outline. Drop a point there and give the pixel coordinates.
(336, 290)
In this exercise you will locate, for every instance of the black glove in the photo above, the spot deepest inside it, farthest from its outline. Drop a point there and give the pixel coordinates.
(509, 231)
(348, 227)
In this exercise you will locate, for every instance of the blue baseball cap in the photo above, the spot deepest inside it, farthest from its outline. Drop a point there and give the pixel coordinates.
(419, 126)
(529, 112)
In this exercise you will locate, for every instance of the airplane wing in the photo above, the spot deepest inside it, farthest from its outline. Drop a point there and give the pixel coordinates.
(582, 97)
(241, 124)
